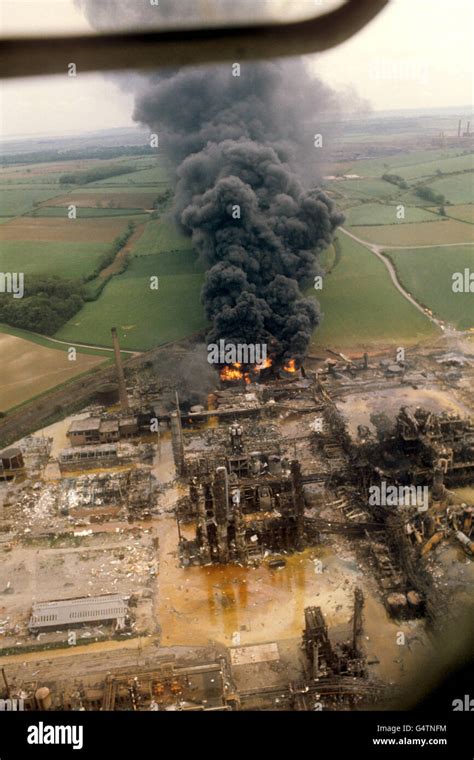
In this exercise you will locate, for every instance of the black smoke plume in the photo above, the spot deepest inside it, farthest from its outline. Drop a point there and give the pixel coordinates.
(240, 144)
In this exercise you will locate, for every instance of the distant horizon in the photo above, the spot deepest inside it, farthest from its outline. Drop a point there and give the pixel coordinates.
(460, 110)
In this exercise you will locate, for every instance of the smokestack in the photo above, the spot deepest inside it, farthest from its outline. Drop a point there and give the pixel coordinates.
(459, 128)
(120, 374)
(468, 130)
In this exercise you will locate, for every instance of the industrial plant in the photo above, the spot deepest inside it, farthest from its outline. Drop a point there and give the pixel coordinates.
(239, 535)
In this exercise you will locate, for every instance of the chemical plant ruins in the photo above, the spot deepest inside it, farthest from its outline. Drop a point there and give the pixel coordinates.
(291, 537)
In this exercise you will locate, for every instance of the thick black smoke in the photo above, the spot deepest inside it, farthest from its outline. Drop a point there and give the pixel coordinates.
(239, 144)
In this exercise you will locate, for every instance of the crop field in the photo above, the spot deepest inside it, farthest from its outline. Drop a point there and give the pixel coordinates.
(17, 200)
(28, 369)
(144, 317)
(103, 198)
(457, 189)
(361, 307)
(87, 212)
(384, 213)
(102, 230)
(162, 235)
(430, 168)
(398, 161)
(465, 212)
(427, 273)
(144, 177)
(423, 233)
(68, 260)
(364, 188)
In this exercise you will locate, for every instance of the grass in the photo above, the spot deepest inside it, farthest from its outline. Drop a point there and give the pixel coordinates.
(16, 201)
(144, 317)
(424, 233)
(161, 235)
(144, 177)
(361, 307)
(68, 260)
(427, 274)
(365, 188)
(85, 212)
(457, 189)
(378, 166)
(464, 212)
(43, 340)
(429, 168)
(383, 213)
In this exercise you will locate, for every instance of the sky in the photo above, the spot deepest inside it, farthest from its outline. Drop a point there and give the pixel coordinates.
(415, 54)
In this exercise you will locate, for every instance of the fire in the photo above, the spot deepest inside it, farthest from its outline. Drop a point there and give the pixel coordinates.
(264, 365)
(232, 372)
(290, 366)
(236, 372)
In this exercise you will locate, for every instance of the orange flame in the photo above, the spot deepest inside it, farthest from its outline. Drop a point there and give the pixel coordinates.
(235, 371)
(264, 365)
(290, 366)
(231, 372)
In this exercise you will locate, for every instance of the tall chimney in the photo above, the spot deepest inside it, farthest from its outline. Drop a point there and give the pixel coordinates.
(468, 130)
(120, 374)
(459, 128)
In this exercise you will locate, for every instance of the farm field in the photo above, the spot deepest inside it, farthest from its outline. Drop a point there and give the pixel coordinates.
(68, 260)
(153, 177)
(364, 188)
(384, 213)
(431, 167)
(398, 161)
(86, 212)
(423, 233)
(144, 318)
(30, 229)
(361, 307)
(161, 235)
(427, 274)
(103, 198)
(29, 369)
(465, 212)
(457, 189)
(16, 200)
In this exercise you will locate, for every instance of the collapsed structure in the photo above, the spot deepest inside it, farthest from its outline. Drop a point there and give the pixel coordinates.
(209, 511)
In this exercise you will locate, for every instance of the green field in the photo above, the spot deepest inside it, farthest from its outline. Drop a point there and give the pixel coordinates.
(382, 213)
(144, 317)
(429, 168)
(464, 212)
(88, 212)
(361, 307)
(365, 188)
(457, 189)
(397, 162)
(427, 274)
(15, 201)
(161, 235)
(441, 231)
(142, 178)
(68, 260)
